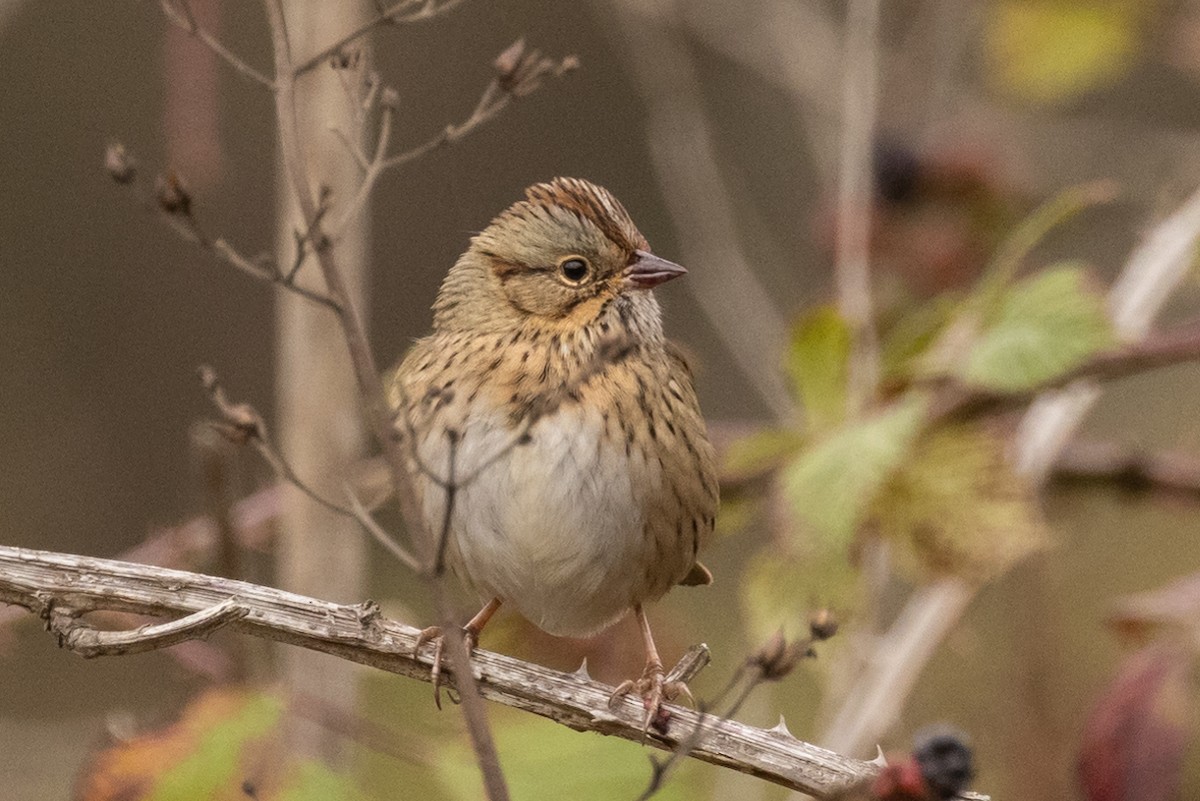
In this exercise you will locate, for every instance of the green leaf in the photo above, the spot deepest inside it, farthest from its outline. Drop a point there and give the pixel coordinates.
(224, 726)
(1047, 51)
(780, 589)
(738, 511)
(956, 507)
(818, 363)
(831, 485)
(1044, 326)
(544, 761)
(312, 781)
(912, 335)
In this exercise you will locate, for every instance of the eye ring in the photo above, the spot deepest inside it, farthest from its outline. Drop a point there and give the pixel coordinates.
(574, 269)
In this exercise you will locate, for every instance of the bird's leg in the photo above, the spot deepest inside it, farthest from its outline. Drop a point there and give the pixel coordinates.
(470, 635)
(652, 686)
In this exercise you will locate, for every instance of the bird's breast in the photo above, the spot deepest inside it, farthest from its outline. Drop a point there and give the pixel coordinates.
(553, 523)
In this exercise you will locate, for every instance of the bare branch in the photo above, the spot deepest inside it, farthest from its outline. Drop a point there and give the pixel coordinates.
(377, 531)
(172, 204)
(38, 580)
(396, 14)
(519, 72)
(89, 642)
(1129, 468)
(242, 424)
(182, 16)
(853, 269)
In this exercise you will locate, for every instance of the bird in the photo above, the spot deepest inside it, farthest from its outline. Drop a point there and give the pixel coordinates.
(554, 437)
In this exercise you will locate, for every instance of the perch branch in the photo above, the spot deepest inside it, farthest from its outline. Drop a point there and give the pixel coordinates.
(852, 269)
(41, 580)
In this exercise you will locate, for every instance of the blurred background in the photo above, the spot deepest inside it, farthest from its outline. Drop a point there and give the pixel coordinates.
(718, 126)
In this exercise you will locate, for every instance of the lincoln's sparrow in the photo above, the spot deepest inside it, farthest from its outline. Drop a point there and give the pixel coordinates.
(547, 394)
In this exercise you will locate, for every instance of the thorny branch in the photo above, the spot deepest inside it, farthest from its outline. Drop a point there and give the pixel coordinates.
(40, 581)
(773, 661)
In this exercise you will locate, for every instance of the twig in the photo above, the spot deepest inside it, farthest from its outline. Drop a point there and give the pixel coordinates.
(852, 269)
(171, 203)
(242, 424)
(381, 536)
(774, 660)
(393, 15)
(182, 16)
(451, 490)
(89, 642)
(37, 580)
(895, 664)
(519, 72)
(1132, 469)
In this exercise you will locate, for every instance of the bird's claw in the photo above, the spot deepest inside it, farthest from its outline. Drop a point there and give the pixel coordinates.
(654, 688)
(434, 635)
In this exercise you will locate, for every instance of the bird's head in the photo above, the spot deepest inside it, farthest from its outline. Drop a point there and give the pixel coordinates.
(563, 254)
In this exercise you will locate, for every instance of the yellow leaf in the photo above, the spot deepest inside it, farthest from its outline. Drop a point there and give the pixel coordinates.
(956, 507)
(1048, 51)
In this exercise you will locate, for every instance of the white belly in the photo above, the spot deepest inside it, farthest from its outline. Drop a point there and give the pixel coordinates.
(554, 527)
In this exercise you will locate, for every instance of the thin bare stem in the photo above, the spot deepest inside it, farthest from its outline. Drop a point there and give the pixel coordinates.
(439, 562)
(182, 16)
(182, 220)
(1129, 468)
(377, 531)
(855, 190)
(395, 14)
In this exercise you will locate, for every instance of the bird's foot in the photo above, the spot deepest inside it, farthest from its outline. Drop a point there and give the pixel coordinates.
(654, 688)
(434, 635)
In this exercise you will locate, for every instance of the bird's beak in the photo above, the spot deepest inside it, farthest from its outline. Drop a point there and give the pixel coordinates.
(647, 270)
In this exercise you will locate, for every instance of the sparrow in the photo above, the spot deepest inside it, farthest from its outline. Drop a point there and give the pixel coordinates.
(555, 442)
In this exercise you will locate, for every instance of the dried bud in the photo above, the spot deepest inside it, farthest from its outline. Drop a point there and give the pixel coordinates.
(390, 98)
(508, 62)
(119, 165)
(172, 195)
(344, 59)
(777, 657)
(519, 70)
(822, 625)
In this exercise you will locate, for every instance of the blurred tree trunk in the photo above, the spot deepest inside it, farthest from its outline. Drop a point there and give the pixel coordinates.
(321, 553)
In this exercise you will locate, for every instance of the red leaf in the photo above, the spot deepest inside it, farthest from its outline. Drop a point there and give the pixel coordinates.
(1135, 737)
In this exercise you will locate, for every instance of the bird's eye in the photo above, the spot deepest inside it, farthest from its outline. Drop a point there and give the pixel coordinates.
(574, 269)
